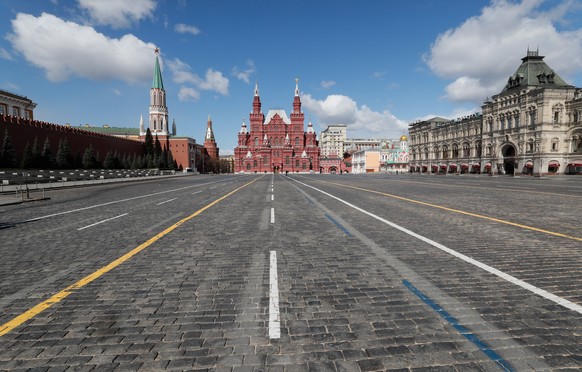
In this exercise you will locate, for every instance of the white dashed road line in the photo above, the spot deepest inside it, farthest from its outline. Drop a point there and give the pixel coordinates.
(274, 319)
(100, 222)
(167, 201)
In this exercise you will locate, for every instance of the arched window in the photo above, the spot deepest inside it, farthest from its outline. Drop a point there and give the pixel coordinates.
(577, 142)
(296, 141)
(466, 150)
(455, 151)
(256, 141)
(248, 166)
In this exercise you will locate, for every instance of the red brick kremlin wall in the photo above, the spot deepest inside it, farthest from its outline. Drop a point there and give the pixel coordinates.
(23, 131)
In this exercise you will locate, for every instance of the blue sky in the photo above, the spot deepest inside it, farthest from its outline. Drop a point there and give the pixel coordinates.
(373, 65)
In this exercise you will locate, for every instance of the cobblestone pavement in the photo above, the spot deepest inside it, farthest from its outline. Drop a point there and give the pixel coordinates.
(373, 273)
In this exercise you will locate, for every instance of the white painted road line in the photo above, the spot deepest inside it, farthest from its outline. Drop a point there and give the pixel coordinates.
(272, 215)
(540, 292)
(97, 223)
(167, 201)
(274, 319)
(197, 192)
(272, 197)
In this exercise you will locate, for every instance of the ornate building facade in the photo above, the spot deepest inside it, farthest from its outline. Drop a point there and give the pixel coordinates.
(533, 126)
(276, 142)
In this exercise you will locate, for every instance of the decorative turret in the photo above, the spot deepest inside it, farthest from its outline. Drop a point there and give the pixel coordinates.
(296, 99)
(256, 100)
(142, 131)
(173, 127)
(243, 128)
(310, 127)
(310, 135)
(209, 132)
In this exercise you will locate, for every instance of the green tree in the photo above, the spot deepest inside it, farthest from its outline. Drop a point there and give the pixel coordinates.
(149, 143)
(170, 160)
(157, 147)
(136, 163)
(47, 159)
(89, 159)
(7, 155)
(64, 157)
(109, 162)
(27, 161)
(36, 155)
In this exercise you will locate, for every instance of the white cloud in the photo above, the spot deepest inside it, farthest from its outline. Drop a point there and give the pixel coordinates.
(64, 49)
(379, 75)
(186, 29)
(4, 54)
(188, 94)
(115, 91)
(481, 54)
(360, 121)
(327, 84)
(116, 13)
(245, 74)
(213, 80)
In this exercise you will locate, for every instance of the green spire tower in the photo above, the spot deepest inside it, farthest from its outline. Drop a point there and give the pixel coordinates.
(158, 110)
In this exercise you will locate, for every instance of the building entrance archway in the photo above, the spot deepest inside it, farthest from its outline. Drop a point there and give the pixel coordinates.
(508, 153)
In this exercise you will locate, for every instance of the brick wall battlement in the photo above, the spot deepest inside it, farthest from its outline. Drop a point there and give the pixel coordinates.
(23, 131)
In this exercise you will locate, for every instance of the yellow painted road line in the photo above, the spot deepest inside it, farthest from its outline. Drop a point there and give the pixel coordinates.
(32, 312)
(460, 211)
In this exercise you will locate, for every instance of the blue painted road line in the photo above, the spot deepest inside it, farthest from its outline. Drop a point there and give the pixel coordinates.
(338, 225)
(459, 327)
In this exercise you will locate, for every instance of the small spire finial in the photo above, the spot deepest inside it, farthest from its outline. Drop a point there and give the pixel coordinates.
(256, 88)
(296, 86)
(157, 51)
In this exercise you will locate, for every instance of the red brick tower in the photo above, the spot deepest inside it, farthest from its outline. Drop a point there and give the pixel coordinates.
(209, 141)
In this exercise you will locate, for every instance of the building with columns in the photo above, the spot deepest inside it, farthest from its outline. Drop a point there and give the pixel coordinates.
(276, 142)
(533, 126)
